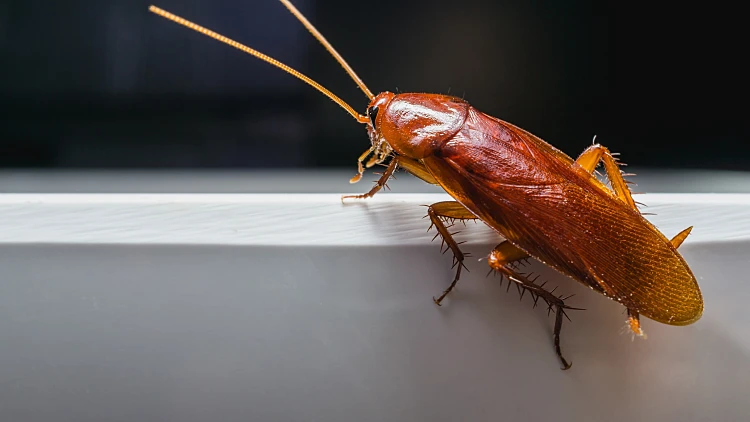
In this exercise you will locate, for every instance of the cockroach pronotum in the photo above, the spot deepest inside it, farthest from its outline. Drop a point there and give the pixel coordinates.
(516, 184)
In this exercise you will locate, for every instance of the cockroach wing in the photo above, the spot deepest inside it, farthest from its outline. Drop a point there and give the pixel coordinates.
(529, 192)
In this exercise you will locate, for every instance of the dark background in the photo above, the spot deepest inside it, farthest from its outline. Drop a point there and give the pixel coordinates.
(106, 84)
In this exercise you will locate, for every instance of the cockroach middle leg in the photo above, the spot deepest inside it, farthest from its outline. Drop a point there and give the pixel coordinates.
(379, 184)
(500, 259)
(455, 211)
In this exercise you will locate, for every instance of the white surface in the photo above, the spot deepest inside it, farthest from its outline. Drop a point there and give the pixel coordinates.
(298, 307)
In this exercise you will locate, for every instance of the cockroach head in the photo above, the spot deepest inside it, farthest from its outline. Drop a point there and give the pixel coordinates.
(379, 147)
(378, 102)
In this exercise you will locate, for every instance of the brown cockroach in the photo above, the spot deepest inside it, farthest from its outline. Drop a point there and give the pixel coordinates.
(542, 202)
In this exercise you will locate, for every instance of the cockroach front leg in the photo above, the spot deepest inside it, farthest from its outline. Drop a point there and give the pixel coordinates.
(500, 259)
(455, 211)
(379, 184)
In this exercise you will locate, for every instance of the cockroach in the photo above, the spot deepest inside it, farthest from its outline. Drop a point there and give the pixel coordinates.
(544, 204)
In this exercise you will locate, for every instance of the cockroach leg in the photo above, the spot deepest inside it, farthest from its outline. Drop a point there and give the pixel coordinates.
(506, 254)
(588, 161)
(379, 184)
(499, 259)
(634, 321)
(360, 167)
(456, 211)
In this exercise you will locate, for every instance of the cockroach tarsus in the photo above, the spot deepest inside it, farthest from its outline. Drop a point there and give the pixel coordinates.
(524, 189)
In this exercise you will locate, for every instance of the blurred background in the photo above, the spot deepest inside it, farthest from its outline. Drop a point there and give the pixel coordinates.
(107, 85)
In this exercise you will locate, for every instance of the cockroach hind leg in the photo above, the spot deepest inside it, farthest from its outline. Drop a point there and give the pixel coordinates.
(556, 339)
(505, 254)
(537, 292)
(589, 160)
(634, 324)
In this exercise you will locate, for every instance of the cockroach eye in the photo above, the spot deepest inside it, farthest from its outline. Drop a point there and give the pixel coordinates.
(373, 113)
